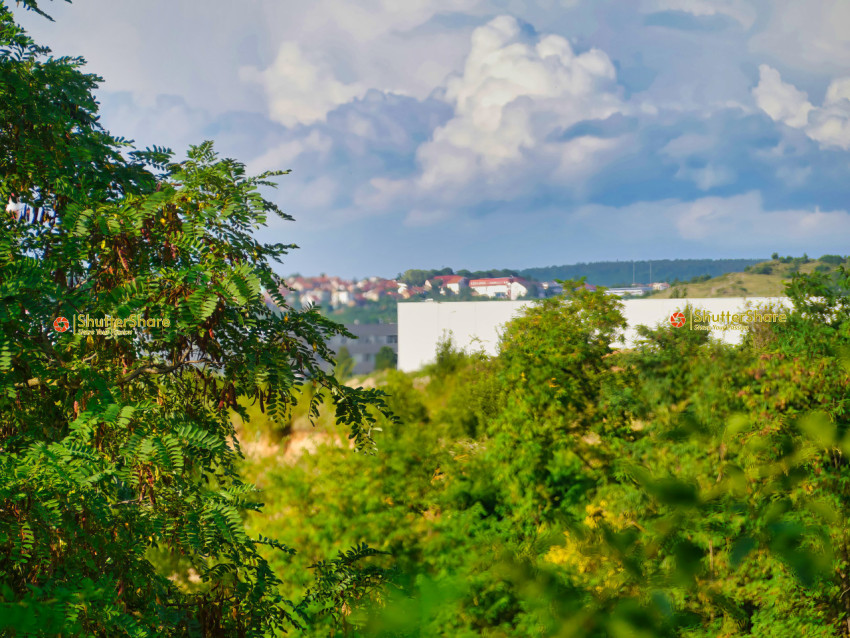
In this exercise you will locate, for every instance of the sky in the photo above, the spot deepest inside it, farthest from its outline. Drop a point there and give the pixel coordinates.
(495, 133)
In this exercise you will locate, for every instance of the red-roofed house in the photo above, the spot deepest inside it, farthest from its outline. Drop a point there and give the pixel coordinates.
(448, 282)
(506, 287)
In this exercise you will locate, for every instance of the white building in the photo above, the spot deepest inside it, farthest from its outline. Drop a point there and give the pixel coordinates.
(631, 291)
(452, 283)
(477, 326)
(340, 297)
(500, 287)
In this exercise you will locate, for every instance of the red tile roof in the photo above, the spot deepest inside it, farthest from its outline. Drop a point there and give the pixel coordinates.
(496, 281)
(449, 279)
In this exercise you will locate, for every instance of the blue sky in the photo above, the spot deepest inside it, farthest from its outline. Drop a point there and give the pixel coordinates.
(497, 134)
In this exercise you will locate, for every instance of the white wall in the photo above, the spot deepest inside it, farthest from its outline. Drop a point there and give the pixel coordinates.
(477, 324)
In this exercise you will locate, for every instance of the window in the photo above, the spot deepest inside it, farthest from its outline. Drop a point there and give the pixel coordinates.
(392, 338)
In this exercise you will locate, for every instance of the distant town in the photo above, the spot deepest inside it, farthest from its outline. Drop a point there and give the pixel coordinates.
(336, 292)
(374, 299)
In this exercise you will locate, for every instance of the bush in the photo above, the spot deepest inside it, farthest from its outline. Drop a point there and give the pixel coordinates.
(385, 359)
(476, 397)
(403, 399)
(449, 358)
(344, 364)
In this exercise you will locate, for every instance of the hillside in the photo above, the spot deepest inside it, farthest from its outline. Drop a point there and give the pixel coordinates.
(766, 279)
(620, 273)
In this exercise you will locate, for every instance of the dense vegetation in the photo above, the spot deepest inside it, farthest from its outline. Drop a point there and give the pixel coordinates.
(382, 311)
(684, 488)
(118, 456)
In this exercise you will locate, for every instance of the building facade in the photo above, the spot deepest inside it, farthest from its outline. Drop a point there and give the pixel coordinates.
(500, 287)
(371, 337)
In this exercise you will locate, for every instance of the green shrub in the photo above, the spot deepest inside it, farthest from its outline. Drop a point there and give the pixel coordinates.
(386, 358)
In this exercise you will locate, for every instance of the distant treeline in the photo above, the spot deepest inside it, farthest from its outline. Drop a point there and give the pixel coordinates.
(602, 273)
(619, 273)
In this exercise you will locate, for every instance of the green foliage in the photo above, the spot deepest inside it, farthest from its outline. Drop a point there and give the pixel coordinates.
(762, 269)
(385, 358)
(448, 358)
(404, 401)
(118, 447)
(344, 364)
(382, 311)
(682, 488)
(704, 277)
(474, 398)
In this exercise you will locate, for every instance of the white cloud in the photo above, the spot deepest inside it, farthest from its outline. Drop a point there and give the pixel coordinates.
(829, 124)
(301, 91)
(333, 51)
(513, 95)
(781, 101)
(806, 34)
(284, 154)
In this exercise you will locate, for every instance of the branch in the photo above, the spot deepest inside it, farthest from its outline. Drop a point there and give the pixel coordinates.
(158, 369)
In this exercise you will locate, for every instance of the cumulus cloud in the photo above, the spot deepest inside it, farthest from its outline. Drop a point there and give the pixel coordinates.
(333, 51)
(301, 91)
(516, 94)
(828, 124)
(783, 102)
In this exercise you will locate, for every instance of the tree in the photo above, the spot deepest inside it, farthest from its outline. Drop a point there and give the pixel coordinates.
(118, 443)
(386, 358)
(344, 364)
